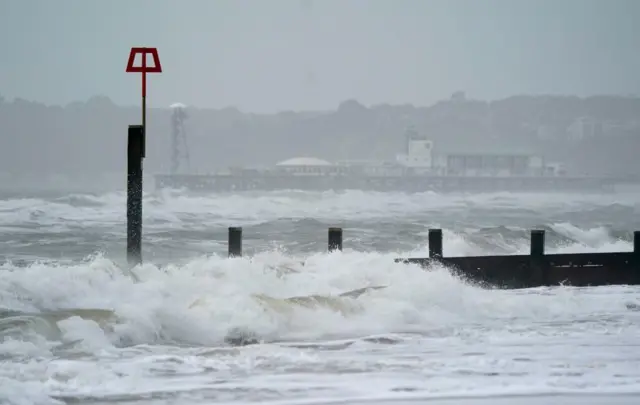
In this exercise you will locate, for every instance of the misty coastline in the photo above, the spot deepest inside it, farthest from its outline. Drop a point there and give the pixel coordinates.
(81, 146)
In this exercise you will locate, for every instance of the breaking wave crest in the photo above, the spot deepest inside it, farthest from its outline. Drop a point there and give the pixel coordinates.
(272, 296)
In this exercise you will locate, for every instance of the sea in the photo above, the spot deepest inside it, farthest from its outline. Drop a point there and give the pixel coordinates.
(78, 326)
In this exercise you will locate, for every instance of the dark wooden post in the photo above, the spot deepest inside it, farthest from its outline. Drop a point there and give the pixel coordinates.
(235, 241)
(135, 153)
(635, 262)
(435, 243)
(335, 239)
(538, 271)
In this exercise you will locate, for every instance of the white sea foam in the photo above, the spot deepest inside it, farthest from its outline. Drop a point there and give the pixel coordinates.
(89, 329)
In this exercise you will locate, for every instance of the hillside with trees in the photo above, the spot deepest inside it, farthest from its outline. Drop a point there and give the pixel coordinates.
(599, 134)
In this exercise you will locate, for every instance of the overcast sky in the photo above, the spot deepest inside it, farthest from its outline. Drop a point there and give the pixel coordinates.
(271, 55)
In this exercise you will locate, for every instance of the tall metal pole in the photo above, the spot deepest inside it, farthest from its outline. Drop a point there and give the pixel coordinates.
(175, 134)
(179, 147)
(144, 103)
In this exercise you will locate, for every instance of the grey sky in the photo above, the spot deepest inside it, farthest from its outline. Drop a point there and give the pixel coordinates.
(270, 55)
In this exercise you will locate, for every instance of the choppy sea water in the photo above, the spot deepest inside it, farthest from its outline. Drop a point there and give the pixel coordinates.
(76, 326)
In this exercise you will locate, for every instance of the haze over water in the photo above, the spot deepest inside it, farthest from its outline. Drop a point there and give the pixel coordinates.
(78, 328)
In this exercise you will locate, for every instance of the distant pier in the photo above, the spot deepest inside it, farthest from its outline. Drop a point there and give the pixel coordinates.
(268, 181)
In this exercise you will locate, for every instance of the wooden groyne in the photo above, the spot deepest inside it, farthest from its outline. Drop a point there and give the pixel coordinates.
(539, 268)
(510, 271)
(535, 269)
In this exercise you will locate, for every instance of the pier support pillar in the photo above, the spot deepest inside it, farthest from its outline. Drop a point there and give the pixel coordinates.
(235, 241)
(538, 268)
(135, 154)
(435, 243)
(335, 239)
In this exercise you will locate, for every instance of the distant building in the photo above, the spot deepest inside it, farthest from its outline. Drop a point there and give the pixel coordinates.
(585, 127)
(424, 157)
(460, 159)
(418, 151)
(306, 166)
(490, 163)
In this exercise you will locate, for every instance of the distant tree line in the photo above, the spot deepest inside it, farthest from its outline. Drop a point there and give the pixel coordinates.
(90, 137)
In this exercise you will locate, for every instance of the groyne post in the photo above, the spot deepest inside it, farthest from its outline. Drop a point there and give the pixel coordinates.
(636, 257)
(335, 239)
(235, 241)
(135, 154)
(435, 243)
(538, 273)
